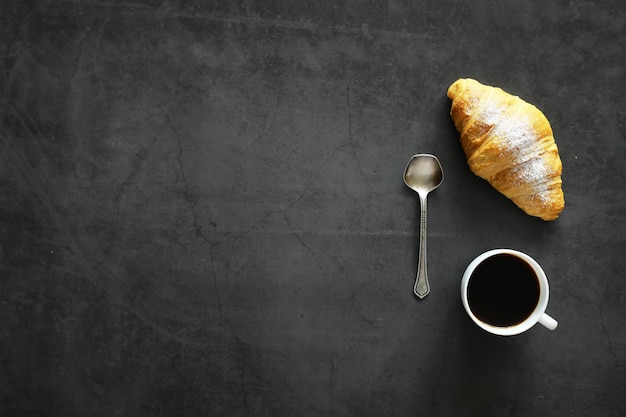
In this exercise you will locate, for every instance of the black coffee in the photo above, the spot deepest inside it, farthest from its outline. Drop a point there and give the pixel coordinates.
(503, 290)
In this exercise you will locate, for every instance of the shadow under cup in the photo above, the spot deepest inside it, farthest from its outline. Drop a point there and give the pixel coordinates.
(506, 292)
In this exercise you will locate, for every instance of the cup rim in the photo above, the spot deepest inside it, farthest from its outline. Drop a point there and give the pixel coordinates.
(533, 318)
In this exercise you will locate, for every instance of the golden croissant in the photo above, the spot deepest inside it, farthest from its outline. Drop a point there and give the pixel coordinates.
(509, 143)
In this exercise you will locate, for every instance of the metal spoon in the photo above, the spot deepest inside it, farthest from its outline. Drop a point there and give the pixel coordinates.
(423, 174)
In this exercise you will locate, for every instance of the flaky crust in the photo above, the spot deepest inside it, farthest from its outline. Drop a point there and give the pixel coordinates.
(509, 143)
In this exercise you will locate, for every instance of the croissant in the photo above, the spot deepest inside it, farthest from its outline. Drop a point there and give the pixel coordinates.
(509, 143)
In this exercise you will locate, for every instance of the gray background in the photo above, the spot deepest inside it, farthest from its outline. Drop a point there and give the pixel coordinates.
(202, 210)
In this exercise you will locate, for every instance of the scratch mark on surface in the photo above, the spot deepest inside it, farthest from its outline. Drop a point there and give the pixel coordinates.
(598, 305)
(186, 193)
(295, 200)
(12, 44)
(439, 379)
(270, 120)
(243, 363)
(609, 340)
(302, 243)
(372, 322)
(239, 342)
(331, 351)
(298, 238)
(214, 275)
(200, 14)
(450, 16)
(35, 185)
(140, 162)
(349, 111)
(84, 268)
(88, 32)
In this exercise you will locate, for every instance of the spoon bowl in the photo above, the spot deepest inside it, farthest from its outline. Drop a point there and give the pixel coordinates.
(423, 174)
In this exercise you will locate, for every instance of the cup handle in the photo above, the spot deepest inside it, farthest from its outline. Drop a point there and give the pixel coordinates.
(548, 321)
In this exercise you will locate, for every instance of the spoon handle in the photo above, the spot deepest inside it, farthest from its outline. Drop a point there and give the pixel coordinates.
(422, 288)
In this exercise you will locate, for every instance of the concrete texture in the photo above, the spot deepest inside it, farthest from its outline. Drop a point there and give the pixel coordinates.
(202, 210)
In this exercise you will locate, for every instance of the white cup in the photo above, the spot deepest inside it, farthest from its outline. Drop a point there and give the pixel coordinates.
(478, 298)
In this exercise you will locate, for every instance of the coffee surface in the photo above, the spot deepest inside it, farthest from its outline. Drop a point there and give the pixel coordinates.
(503, 290)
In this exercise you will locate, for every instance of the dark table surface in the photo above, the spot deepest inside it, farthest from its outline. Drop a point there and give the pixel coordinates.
(202, 209)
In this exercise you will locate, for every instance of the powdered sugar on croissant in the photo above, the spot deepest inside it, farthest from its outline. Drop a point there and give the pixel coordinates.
(509, 143)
